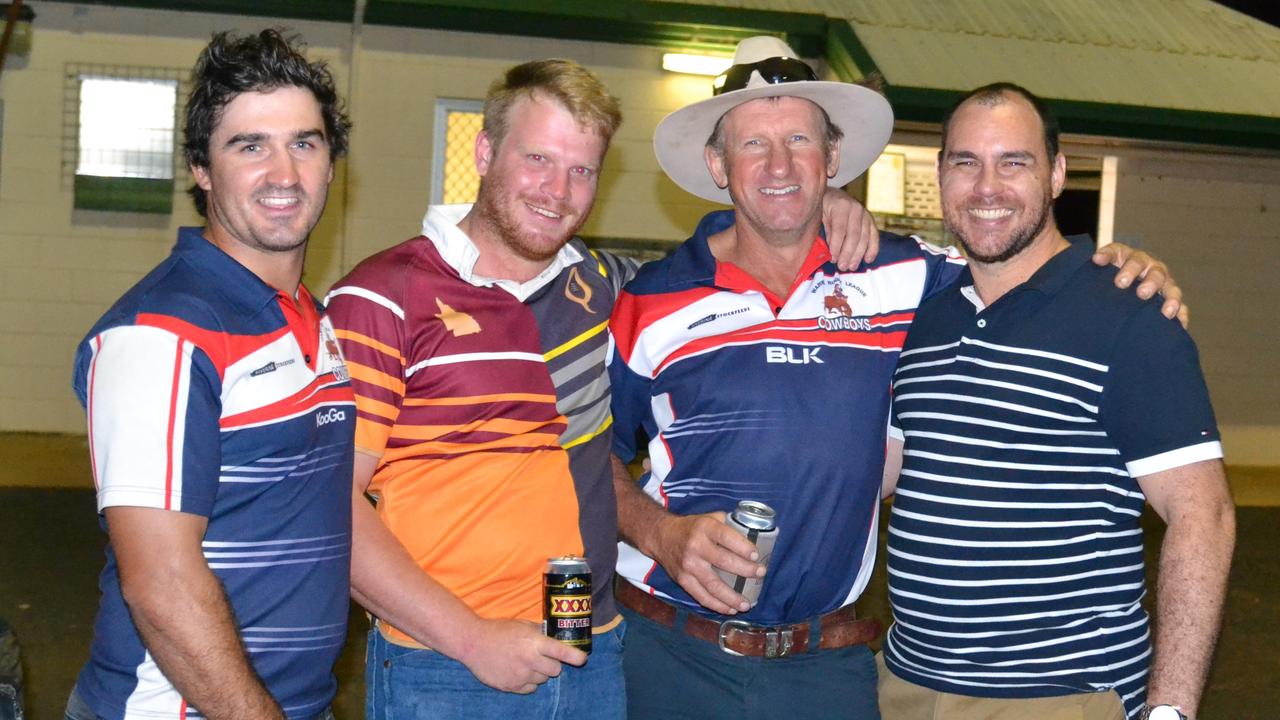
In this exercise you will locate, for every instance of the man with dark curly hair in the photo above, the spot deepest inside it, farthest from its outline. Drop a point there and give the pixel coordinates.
(221, 421)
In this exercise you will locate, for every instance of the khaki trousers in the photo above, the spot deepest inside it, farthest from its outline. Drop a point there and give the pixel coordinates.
(901, 700)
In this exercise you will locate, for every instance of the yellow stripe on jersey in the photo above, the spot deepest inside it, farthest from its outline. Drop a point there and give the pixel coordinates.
(370, 343)
(608, 421)
(377, 407)
(530, 441)
(373, 376)
(574, 342)
(492, 425)
(604, 272)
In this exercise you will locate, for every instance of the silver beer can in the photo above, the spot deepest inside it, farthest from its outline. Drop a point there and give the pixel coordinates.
(757, 522)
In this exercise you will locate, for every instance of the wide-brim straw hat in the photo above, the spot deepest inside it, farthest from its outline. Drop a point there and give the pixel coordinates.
(861, 113)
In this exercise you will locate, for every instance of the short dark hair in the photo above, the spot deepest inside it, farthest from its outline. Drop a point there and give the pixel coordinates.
(993, 94)
(229, 66)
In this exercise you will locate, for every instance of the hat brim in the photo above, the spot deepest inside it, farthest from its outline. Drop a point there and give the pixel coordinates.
(861, 113)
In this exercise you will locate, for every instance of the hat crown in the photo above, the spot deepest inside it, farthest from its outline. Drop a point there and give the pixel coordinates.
(761, 47)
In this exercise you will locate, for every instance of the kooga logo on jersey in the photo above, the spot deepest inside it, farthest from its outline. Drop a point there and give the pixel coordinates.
(792, 355)
(331, 415)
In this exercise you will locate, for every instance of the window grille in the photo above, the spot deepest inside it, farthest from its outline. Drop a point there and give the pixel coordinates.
(120, 137)
(454, 177)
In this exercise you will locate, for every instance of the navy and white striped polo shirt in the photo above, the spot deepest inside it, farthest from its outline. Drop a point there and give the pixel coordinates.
(1015, 553)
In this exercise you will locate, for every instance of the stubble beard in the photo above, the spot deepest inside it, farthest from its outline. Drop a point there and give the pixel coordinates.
(270, 237)
(1020, 239)
(493, 205)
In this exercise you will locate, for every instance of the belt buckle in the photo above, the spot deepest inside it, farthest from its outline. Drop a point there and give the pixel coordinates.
(724, 627)
(777, 642)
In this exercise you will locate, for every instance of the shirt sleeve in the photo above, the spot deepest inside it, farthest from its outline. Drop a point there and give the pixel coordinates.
(153, 401)
(370, 328)
(617, 269)
(944, 266)
(630, 390)
(1156, 406)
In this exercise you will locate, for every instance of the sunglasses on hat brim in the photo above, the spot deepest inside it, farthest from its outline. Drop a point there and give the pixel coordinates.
(773, 70)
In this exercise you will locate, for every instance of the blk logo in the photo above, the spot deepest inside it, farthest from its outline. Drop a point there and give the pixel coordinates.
(792, 355)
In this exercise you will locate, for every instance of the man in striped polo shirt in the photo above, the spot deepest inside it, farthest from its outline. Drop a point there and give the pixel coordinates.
(1036, 407)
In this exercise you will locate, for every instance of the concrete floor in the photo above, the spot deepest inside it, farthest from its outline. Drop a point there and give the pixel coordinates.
(51, 553)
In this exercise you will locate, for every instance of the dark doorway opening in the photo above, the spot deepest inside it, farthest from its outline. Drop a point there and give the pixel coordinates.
(1077, 212)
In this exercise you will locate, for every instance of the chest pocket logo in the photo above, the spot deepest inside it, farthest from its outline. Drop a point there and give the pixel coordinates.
(458, 323)
(577, 291)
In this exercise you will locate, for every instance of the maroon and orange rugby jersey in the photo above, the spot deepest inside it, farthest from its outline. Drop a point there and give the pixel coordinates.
(487, 403)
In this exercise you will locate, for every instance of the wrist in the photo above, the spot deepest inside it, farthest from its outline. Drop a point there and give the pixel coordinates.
(1162, 712)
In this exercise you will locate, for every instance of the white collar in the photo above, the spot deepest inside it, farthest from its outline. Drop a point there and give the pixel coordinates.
(440, 226)
(971, 294)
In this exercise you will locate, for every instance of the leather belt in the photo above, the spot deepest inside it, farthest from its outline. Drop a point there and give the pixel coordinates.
(837, 629)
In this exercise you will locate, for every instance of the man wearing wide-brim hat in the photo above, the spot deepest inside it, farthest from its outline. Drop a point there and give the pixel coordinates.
(759, 370)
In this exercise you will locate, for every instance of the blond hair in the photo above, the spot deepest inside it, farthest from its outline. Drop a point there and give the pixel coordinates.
(574, 87)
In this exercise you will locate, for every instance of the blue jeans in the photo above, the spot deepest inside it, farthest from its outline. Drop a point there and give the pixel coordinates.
(671, 675)
(407, 684)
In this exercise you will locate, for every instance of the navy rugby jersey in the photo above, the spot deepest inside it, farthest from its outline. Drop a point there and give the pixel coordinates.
(1015, 551)
(741, 399)
(209, 392)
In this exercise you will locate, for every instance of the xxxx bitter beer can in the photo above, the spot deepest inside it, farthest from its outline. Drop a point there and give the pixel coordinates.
(566, 601)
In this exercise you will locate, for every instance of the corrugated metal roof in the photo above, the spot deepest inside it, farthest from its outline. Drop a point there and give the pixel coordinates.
(1177, 54)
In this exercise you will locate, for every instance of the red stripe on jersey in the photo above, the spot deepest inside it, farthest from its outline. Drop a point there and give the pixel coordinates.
(311, 396)
(173, 420)
(633, 313)
(222, 348)
(302, 320)
(894, 318)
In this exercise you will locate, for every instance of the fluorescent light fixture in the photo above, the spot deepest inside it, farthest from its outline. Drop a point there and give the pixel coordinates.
(695, 64)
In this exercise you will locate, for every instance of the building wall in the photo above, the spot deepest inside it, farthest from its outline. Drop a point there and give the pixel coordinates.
(1216, 220)
(61, 268)
(1211, 216)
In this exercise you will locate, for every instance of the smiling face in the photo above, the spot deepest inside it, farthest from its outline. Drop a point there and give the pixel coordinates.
(539, 184)
(997, 181)
(776, 163)
(269, 172)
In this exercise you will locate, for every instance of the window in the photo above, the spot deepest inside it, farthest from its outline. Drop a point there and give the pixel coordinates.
(453, 171)
(121, 137)
(902, 192)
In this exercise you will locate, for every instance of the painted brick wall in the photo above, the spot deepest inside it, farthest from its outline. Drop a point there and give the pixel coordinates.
(1212, 217)
(1216, 220)
(60, 269)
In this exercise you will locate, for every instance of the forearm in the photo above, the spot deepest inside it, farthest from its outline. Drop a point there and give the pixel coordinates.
(1195, 560)
(186, 623)
(639, 515)
(892, 467)
(387, 582)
